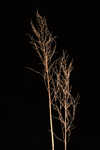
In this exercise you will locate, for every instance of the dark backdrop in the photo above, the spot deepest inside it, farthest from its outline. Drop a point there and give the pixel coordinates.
(24, 111)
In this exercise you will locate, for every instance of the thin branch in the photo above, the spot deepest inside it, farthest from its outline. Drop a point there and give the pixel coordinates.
(33, 70)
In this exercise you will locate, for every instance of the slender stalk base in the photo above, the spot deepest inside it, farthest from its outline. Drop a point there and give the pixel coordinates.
(65, 142)
(50, 109)
(51, 126)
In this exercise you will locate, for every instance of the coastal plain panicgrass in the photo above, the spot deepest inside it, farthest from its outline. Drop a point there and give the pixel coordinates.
(56, 74)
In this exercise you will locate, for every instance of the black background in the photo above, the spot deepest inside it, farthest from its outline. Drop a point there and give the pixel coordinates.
(24, 111)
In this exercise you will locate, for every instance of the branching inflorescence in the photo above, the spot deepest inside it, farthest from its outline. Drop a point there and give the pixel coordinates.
(56, 74)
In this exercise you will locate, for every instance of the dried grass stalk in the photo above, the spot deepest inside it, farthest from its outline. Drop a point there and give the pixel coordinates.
(56, 76)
